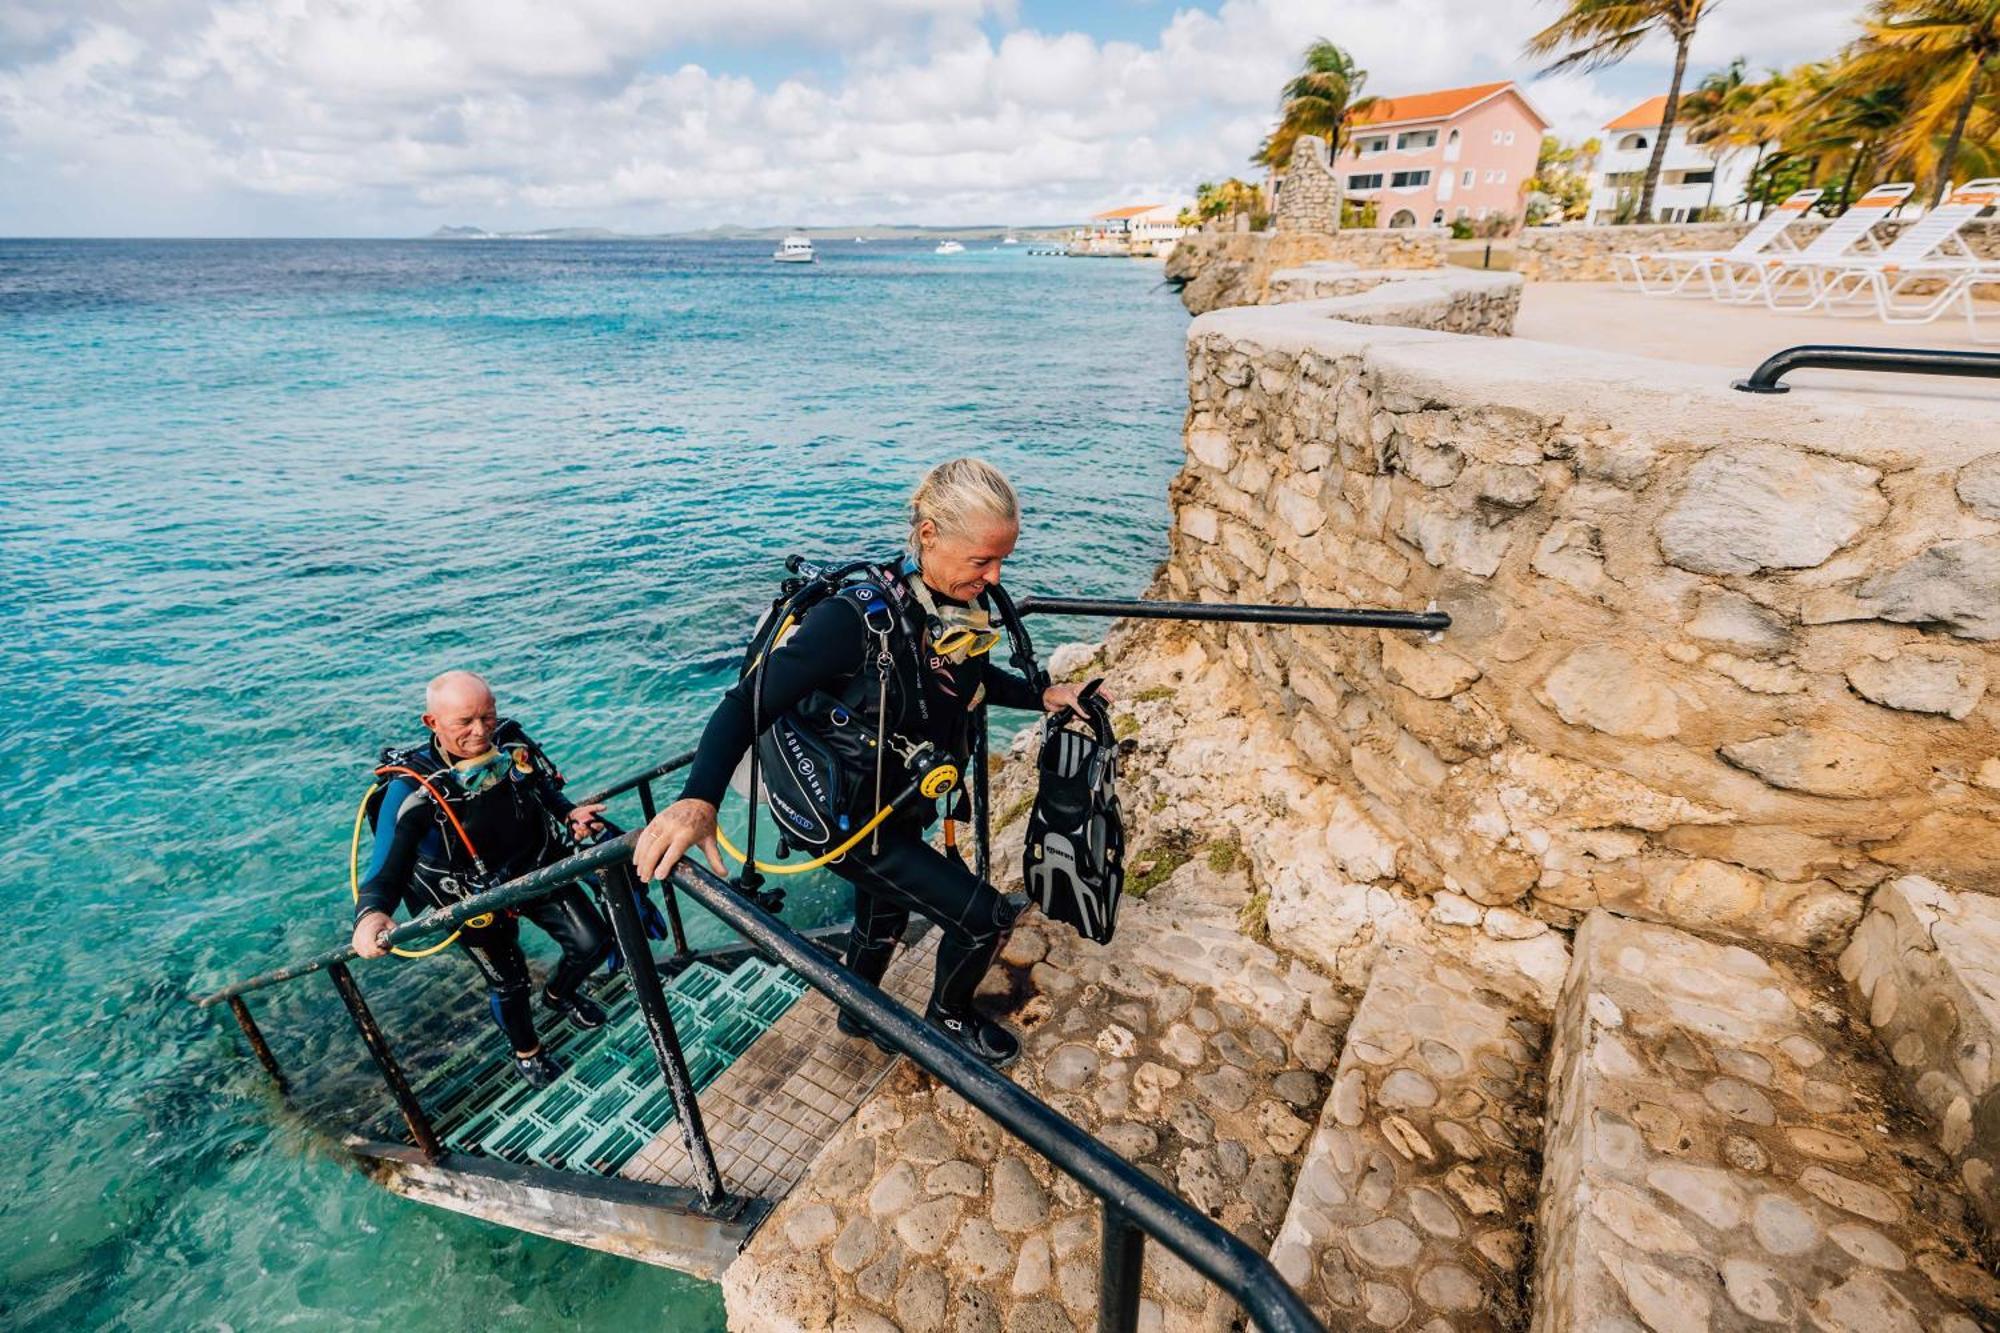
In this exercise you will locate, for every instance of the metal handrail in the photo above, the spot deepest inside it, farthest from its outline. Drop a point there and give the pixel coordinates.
(1430, 622)
(534, 884)
(1897, 360)
(1131, 1198)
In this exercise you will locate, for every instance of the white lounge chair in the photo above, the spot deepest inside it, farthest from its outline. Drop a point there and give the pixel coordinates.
(1769, 278)
(1930, 253)
(1670, 272)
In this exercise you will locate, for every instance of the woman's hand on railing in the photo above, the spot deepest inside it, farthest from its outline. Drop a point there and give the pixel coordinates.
(371, 934)
(666, 838)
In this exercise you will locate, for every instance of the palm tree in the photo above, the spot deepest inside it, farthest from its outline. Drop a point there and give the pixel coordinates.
(1860, 118)
(1320, 99)
(1947, 52)
(1596, 33)
(1712, 111)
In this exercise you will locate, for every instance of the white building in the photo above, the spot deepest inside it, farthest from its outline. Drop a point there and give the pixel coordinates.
(1692, 178)
(1143, 229)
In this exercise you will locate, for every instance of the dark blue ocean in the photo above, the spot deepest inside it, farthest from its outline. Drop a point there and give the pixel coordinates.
(253, 494)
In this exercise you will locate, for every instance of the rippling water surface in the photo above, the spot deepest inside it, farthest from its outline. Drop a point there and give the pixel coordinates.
(253, 494)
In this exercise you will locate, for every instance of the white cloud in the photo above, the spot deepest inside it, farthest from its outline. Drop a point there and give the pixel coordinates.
(396, 114)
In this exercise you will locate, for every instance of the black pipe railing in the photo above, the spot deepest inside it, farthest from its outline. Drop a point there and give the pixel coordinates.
(1429, 622)
(1131, 1198)
(643, 780)
(1896, 360)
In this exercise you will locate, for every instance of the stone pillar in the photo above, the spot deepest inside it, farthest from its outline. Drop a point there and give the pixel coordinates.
(1309, 199)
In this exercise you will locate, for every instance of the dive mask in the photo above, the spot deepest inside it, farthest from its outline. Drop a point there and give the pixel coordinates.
(477, 774)
(956, 632)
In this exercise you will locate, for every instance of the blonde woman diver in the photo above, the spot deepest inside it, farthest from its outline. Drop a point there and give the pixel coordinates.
(829, 678)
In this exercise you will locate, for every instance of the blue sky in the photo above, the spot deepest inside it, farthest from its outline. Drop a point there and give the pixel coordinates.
(392, 117)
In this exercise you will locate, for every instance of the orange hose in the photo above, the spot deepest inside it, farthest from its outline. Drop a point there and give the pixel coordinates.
(443, 805)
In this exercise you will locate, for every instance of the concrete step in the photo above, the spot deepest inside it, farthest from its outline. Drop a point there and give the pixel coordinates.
(1409, 1205)
(1924, 965)
(1723, 1151)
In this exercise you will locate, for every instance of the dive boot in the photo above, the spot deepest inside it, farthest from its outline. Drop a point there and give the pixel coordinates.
(977, 1034)
(540, 1069)
(579, 1009)
(854, 1027)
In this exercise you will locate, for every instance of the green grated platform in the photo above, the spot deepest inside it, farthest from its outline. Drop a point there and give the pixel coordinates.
(611, 1100)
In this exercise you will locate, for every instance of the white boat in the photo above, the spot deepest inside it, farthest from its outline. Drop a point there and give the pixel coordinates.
(949, 248)
(793, 250)
(1010, 240)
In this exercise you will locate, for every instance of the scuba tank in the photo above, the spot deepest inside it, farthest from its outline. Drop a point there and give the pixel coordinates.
(1074, 862)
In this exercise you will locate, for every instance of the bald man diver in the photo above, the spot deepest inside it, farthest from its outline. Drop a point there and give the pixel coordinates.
(501, 795)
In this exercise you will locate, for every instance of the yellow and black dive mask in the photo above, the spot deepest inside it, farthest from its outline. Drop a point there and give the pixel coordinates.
(957, 633)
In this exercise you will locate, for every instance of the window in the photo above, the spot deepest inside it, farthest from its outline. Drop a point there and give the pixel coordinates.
(1632, 143)
(1437, 218)
(1496, 136)
(1510, 137)
(1499, 178)
(1377, 144)
(1460, 214)
(1451, 147)
(1403, 217)
(1367, 181)
(1699, 177)
(1409, 180)
(1467, 178)
(1411, 140)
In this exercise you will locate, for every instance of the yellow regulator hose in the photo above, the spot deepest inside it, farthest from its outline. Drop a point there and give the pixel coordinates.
(354, 882)
(933, 783)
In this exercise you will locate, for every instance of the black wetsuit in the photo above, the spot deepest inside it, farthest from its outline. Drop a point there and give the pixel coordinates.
(904, 873)
(418, 861)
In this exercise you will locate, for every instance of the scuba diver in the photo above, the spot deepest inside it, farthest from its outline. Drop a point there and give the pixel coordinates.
(898, 661)
(476, 805)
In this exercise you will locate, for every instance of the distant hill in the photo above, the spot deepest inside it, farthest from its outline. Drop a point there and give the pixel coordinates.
(877, 231)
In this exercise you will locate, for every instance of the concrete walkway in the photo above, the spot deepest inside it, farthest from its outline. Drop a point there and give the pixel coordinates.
(1736, 338)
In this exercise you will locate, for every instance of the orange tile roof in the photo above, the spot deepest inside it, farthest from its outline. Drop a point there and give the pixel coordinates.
(1428, 106)
(1645, 116)
(1116, 213)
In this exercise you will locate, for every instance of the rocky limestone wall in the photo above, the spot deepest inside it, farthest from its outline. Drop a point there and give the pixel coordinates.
(1309, 196)
(1716, 660)
(1583, 254)
(1485, 304)
(1219, 270)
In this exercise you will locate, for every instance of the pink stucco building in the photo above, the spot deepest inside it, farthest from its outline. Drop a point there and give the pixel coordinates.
(1430, 157)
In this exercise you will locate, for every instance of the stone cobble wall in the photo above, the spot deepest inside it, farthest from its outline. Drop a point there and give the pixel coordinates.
(1223, 269)
(1715, 661)
(1583, 254)
(1925, 969)
(1410, 1206)
(1309, 197)
(1719, 1156)
(1486, 305)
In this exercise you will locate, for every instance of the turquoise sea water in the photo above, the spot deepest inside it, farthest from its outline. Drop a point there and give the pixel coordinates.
(253, 494)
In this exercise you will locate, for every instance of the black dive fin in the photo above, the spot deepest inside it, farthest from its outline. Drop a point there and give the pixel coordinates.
(1075, 861)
